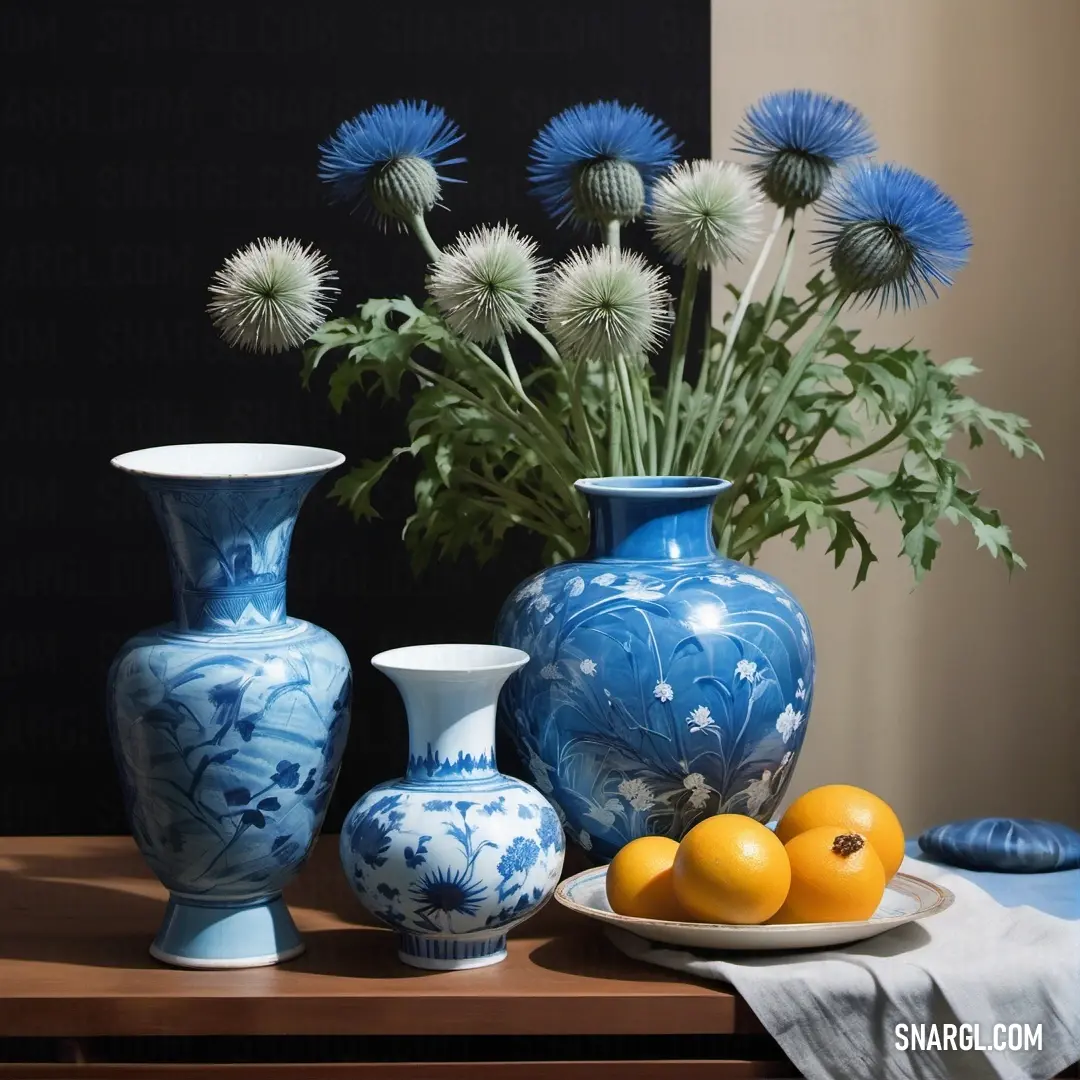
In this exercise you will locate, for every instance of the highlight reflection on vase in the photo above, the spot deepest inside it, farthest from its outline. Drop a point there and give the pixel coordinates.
(228, 724)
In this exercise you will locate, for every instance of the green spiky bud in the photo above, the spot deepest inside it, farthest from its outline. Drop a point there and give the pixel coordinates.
(871, 255)
(404, 187)
(608, 190)
(794, 179)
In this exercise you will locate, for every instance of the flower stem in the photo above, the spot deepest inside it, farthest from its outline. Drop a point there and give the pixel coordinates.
(850, 497)
(642, 392)
(624, 415)
(419, 228)
(637, 378)
(526, 506)
(504, 416)
(726, 363)
(545, 344)
(511, 369)
(693, 408)
(748, 378)
(753, 542)
(537, 416)
(824, 426)
(867, 451)
(679, 342)
(615, 465)
(582, 430)
(781, 279)
(490, 365)
(650, 422)
(632, 425)
(585, 452)
(755, 385)
(780, 397)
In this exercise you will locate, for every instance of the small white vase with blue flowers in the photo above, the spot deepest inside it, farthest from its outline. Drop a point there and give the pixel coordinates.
(454, 854)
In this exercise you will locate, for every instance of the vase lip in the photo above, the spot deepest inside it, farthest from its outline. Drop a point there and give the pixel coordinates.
(653, 487)
(227, 461)
(450, 660)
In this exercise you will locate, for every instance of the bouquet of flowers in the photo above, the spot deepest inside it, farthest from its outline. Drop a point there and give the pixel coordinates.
(523, 376)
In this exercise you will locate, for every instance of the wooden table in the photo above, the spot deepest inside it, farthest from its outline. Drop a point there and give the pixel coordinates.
(78, 985)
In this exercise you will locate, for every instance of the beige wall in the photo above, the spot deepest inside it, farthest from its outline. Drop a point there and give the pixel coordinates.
(961, 697)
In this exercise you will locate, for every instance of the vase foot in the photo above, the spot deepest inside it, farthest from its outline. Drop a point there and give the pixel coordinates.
(449, 953)
(197, 934)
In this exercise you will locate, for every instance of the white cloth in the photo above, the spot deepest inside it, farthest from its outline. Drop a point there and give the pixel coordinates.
(835, 1012)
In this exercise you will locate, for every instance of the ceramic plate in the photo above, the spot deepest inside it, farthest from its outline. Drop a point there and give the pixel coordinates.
(906, 899)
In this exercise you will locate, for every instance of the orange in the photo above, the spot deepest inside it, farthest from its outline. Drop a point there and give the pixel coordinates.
(639, 879)
(731, 869)
(853, 810)
(836, 876)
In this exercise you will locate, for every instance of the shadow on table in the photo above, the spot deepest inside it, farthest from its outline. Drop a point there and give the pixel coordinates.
(76, 910)
(592, 955)
(368, 952)
(85, 910)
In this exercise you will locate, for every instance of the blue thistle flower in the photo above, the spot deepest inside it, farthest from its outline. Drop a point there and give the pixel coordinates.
(595, 163)
(798, 137)
(388, 159)
(891, 233)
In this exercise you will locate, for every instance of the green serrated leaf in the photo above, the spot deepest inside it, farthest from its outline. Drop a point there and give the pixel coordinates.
(353, 490)
(334, 334)
(960, 368)
(843, 541)
(874, 479)
(986, 524)
(345, 376)
(921, 539)
(847, 534)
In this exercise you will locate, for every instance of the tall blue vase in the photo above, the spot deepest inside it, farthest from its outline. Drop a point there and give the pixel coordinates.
(229, 722)
(666, 683)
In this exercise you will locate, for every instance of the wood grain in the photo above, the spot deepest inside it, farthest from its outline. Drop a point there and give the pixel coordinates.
(77, 915)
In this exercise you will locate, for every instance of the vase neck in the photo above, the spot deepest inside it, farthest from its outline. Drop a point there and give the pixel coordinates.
(228, 542)
(651, 517)
(450, 694)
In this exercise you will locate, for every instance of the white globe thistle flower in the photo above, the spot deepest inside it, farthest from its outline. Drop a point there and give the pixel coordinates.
(270, 295)
(603, 303)
(705, 212)
(487, 282)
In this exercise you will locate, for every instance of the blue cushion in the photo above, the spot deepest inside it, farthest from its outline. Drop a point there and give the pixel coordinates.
(1010, 845)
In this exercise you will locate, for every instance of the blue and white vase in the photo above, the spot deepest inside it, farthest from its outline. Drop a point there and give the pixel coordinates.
(666, 683)
(228, 723)
(454, 854)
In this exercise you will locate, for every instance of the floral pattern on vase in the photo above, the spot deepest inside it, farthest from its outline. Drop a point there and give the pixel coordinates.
(666, 683)
(228, 724)
(454, 854)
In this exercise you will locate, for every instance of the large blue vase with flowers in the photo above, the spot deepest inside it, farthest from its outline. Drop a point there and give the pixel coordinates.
(637, 712)
(228, 723)
(666, 682)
